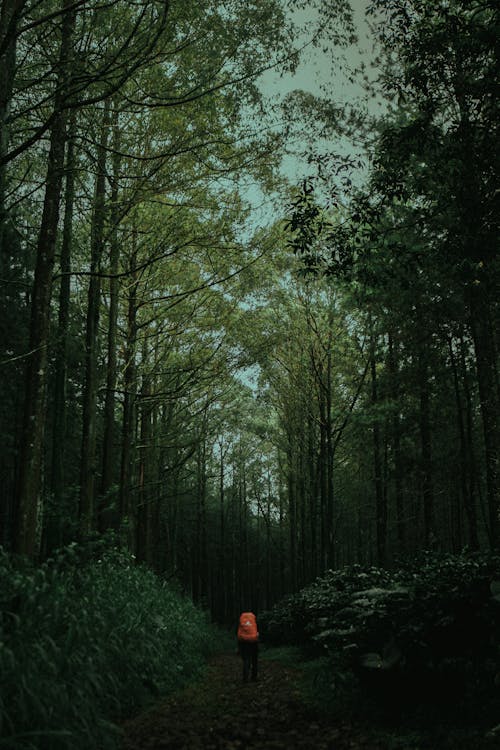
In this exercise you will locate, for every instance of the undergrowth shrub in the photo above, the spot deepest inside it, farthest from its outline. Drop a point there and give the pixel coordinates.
(84, 641)
(423, 636)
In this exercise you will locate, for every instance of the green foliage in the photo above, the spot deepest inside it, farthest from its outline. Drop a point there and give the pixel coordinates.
(288, 655)
(85, 640)
(425, 633)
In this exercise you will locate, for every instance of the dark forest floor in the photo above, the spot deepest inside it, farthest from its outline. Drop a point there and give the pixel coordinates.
(220, 712)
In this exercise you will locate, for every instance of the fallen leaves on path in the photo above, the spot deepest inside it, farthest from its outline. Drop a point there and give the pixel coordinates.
(220, 712)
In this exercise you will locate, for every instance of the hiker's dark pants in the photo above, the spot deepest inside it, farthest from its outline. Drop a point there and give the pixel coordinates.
(249, 653)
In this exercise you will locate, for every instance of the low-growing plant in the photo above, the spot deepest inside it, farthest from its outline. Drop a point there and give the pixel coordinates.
(422, 636)
(85, 639)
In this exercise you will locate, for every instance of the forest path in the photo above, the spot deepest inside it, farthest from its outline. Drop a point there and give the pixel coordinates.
(220, 712)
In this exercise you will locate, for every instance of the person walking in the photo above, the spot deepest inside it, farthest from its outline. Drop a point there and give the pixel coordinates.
(248, 644)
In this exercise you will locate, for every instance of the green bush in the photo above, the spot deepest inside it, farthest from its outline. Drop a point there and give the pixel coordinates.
(84, 641)
(425, 634)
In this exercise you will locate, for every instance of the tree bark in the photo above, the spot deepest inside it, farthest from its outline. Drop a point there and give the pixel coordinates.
(471, 501)
(145, 500)
(479, 238)
(28, 496)
(61, 344)
(466, 474)
(426, 456)
(396, 446)
(486, 358)
(426, 468)
(313, 496)
(88, 463)
(127, 511)
(222, 535)
(329, 452)
(107, 516)
(380, 498)
(323, 480)
(292, 512)
(202, 518)
(10, 11)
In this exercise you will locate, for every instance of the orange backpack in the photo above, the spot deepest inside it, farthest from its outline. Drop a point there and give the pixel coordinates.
(247, 629)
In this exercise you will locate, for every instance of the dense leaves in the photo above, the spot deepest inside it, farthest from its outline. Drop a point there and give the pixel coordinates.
(415, 250)
(86, 639)
(427, 629)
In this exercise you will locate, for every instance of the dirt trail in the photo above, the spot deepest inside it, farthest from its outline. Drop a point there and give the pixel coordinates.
(220, 712)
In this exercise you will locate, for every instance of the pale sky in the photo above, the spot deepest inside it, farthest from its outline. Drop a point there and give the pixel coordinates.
(325, 74)
(321, 74)
(318, 68)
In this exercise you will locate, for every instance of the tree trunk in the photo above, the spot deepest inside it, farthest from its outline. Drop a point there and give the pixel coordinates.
(313, 497)
(222, 537)
(426, 458)
(61, 344)
(9, 18)
(484, 348)
(480, 250)
(323, 481)
(267, 603)
(425, 434)
(380, 499)
(329, 454)
(157, 492)
(471, 503)
(303, 507)
(145, 504)
(466, 460)
(9, 250)
(202, 519)
(107, 514)
(292, 514)
(127, 511)
(281, 520)
(244, 576)
(396, 445)
(28, 495)
(88, 456)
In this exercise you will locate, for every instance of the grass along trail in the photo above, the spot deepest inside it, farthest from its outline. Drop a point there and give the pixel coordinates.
(220, 712)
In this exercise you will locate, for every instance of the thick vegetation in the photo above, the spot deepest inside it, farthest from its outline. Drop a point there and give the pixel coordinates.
(84, 640)
(419, 640)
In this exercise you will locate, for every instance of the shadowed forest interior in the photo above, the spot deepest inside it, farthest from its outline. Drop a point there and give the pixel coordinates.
(248, 343)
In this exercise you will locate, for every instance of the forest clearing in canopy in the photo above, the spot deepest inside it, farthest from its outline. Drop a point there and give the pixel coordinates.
(224, 388)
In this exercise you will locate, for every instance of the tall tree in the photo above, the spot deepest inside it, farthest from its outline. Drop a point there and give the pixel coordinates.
(28, 500)
(88, 453)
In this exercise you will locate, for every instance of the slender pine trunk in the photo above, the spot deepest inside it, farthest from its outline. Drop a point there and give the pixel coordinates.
(107, 513)
(396, 444)
(88, 461)
(486, 359)
(466, 475)
(28, 507)
(380, 499)
(9, 19)
(145, 498)
(54, 535)
(126, 506)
